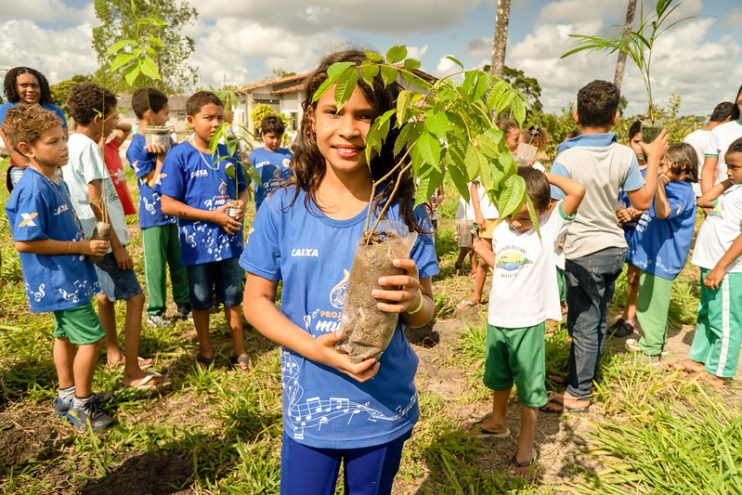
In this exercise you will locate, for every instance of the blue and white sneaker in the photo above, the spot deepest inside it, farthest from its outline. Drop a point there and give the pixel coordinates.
(61, 406)
(89, 414)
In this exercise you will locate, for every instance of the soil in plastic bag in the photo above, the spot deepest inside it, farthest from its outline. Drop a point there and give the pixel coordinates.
(101, 232)
(368, 330)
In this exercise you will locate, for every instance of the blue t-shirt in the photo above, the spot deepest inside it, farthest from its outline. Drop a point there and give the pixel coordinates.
(200, 180)
(312, 254)
(41, 209)
(623, 199)
(661, 247)
(46, 106)
(273, 168)
(143, 163)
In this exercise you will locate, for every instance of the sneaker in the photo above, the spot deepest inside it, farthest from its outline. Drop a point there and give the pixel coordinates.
(159, 321)
(632, 345)
(61, 406)
(184, 312)
(89, 414)
(621, 328)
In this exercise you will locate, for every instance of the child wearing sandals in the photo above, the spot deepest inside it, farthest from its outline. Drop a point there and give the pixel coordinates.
(524, 295)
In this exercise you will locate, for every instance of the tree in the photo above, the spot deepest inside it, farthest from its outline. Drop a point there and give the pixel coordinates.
(621, 62)
(61, 90)
(119, 21)
(499, 43)
(528, 87)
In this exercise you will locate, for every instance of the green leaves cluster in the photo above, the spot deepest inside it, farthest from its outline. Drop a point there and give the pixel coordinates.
(446, 126)
(637, 44)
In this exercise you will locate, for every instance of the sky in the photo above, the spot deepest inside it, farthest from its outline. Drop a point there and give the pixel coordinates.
(241, 42)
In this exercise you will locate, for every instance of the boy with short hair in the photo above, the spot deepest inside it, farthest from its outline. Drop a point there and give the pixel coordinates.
(525, 293)
(208, 193)
(94, 199)
(271, 161)
(701, 139)
(595, 246)
(51, 245)
(159, 231)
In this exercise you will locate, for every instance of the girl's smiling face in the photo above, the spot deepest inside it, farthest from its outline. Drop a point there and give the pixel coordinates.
(28, 88)
(341, 135)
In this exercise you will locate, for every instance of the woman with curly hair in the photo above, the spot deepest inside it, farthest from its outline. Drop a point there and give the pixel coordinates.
(25, 86)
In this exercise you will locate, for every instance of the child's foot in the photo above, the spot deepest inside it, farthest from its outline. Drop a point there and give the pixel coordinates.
(144, 363)
(561, 403)
(159, 321)
(88, 413)
(241, 362)
(146, 381)
(632, 345)
(622, 328)
(61, 406)
(466, 304)
(523, 468)
(204, 362)
(184, 313)
(691, 366)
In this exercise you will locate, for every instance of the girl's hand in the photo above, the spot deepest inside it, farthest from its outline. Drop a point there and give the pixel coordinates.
(325, 353)
(396, 299)
(93, 247)
(658, 147)
(157, 149)
(227, 223)
(477, 243)
(481, 223)
(123, 260)
(714, 277)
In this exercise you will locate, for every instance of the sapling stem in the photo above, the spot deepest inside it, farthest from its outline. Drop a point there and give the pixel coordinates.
(388, 201)
(382, 179)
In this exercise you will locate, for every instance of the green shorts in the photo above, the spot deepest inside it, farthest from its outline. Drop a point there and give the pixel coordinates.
(562, 283)
(516, 355)
(79, 325)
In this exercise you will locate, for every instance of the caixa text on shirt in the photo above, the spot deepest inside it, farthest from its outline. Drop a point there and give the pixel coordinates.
(305, 252)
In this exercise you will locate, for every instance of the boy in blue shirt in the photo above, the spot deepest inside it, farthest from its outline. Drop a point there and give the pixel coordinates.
(159, 231)
(208, 193)
(595, 246)
(271, 161)
(51, 246)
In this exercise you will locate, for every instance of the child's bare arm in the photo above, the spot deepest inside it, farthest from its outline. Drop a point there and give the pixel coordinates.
(641, 198)
(708, 173)
(261, 312)
(121, 132)
(171, 206)
(53, 247)
(661, 204)
(474, 195)
(479, 247)
(98, 205)
(714, 277)
(708, 197)
(573, 192)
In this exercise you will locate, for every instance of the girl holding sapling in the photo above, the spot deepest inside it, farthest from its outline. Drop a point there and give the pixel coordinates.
(305, 234)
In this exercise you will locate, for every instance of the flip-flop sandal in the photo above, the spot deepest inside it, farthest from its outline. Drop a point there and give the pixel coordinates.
(204, 362)
(480, 432)
(530, 464)
(241, 362)
(564, 408)
(558, 379)
(466, 304)
(144, 363)
(149, 382)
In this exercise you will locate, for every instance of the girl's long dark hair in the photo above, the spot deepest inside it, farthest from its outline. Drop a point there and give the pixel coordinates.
(735, 112)
(10, 86)
(309, 165)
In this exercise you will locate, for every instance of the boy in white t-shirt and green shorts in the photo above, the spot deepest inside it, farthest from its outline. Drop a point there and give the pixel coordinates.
(718, 252)
(524, 295)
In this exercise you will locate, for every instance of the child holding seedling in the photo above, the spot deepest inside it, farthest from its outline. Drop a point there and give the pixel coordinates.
(660, 245)
(208, 193)
(271, 161)
(718, 252)
(51, 242)
(159, 231)
(305, 234)
(525, 293)
(95, 200)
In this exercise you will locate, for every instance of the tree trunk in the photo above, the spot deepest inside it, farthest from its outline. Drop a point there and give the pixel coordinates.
(501, 37)
(621, 62)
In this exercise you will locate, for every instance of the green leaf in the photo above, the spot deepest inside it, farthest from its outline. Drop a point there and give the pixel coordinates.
(403, 105)
(373, 56)
(488, 142)
(120, 45)
(518, 110)
(429, 149)
(131, 73)
(388, 74)
(496, 94)
(483, 84)
(475, 162)
(369, 72)
(336, 69)
(155, 41)
(408, 135)
(454, 60)
(322, 89)
(149, 68)
(345, 85)
(412, 64)
(427, 186)
(411, 79)
(457, 171)
(467, 87)
(436, 122)
(505, 101)
(512, 196)
(396, 54)
(121, 60)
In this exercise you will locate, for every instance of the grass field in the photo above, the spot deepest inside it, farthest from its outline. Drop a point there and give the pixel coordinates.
(651, 431)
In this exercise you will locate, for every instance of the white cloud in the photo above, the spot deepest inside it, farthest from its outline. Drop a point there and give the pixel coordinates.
(42, 10)
(417, 52)
(446, 67)
(733, 18)
(479, 47)
(576, 11)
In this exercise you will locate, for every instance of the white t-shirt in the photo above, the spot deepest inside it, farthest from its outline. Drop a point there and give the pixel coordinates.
(489, 210)
(700, 139)
(719, 231)
(464, 210)
(524, 282)
(721, 137)
(86, 165)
